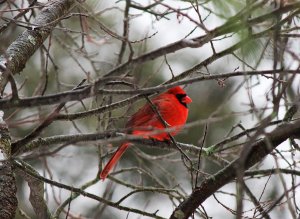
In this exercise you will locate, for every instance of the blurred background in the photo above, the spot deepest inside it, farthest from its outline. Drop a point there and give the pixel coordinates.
(86, 45)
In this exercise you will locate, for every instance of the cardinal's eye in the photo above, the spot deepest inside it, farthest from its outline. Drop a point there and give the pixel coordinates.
(180, 98)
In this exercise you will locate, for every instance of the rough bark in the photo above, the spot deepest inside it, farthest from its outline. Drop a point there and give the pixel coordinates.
(258, 151)
(36, 196)
(31, 39)
(8, 189)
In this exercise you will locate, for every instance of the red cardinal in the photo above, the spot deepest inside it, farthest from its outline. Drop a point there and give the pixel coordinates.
(172, 106)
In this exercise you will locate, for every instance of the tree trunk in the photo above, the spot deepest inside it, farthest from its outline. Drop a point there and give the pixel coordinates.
(8, 190)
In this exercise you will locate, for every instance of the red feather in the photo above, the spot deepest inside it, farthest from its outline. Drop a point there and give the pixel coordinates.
(172, 105)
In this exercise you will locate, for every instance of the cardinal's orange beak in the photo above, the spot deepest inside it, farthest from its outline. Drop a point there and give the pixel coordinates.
(186, 100)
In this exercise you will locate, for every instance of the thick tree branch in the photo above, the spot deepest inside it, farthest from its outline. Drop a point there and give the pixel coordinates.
(104, 137)
(18, 53)
(257, 152)
(8, 188)
(90, 90)
(36, 196)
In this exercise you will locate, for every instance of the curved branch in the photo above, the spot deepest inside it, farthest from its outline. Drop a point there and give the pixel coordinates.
(36, 196)
(90, 90)
(197, 42)
(20, 165)
(18, 53)
(8, 186)
(80, 93)
(258, 151)
(105, 137)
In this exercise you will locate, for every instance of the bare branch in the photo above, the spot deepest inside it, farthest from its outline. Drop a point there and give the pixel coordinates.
(18, 53)
(258, 151)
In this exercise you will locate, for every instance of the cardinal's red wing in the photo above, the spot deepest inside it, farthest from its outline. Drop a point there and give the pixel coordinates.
(142, 117)
(171, 111)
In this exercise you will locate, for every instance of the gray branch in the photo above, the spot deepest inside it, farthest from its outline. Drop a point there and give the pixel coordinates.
(19, 52)
(257, 152)
(36, 196)
(8, 189)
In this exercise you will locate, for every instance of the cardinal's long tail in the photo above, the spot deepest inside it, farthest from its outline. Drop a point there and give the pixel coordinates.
(113, 160)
